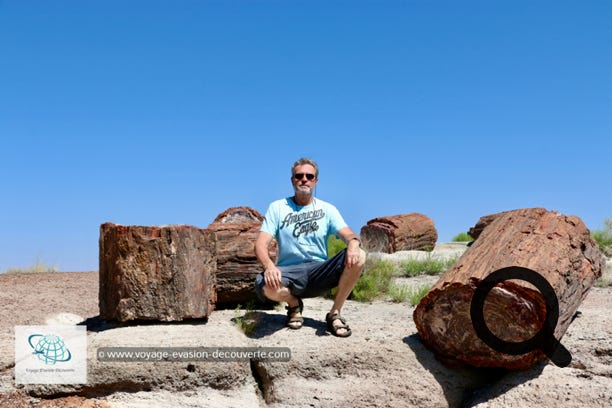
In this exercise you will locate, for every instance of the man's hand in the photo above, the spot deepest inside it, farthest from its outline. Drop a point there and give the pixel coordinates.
(353, 253)
(353, 246)
(272, 277)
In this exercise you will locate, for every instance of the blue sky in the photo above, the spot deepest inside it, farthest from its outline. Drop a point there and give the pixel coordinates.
(169, 112)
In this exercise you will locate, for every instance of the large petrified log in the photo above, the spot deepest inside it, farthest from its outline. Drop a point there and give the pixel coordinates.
(399, 233)
(556, 246)
(156, 273)
(482, 223)
(236, 230)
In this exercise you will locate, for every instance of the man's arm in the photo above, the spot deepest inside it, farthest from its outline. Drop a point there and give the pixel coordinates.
(261, 249)
(272, 275)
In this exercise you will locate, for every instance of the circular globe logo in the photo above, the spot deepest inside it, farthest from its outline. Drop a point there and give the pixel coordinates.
(49, 348)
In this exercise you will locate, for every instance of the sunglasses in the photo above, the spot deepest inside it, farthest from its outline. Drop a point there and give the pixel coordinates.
(299, 176)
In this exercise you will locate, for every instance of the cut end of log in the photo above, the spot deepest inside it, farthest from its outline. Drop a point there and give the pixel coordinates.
(512, 313)
(238, 215)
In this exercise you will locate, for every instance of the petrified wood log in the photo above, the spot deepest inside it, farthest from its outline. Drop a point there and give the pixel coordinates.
(556, 246)
(156, 273)
(399, 233)
(236, 230)
(482, 223)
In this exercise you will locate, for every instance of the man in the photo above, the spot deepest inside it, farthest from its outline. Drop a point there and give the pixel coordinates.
(301, 225)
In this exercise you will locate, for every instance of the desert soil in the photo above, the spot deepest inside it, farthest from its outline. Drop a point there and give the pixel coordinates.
(382, 364)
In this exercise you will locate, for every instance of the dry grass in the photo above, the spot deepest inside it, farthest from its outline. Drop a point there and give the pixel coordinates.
(38, 267)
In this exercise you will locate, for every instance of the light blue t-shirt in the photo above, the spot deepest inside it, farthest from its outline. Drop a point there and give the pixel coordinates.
(301, 231)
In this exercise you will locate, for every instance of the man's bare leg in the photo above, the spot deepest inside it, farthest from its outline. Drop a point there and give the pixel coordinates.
(282, 294)
(347, 282)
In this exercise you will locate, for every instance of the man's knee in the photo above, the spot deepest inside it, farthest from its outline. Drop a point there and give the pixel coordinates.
(259, 288)
(266, 293)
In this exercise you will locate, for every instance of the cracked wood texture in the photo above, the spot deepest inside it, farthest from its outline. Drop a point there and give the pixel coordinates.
(162, 273)
(402, 232)
(556, 246)
(236, 230)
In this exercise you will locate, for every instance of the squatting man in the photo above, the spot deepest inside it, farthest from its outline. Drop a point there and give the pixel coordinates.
(301, 225)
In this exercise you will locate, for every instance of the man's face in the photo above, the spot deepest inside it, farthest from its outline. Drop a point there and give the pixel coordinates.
(307, 180)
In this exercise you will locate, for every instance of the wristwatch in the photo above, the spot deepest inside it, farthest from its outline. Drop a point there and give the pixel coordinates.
(357, 239)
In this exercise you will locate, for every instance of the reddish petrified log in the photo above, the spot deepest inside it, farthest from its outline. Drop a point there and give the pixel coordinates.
(556, 246)
(399, 233)
(156, 273)
(236, 230)
(482, 223)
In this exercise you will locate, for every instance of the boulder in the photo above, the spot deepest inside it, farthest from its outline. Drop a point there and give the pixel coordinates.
(164, 273)
(402, 232)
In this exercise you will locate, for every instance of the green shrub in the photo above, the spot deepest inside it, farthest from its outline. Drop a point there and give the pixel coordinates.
(334, 245)
(375, 281)
(462, 237)
(416, 294)
(399, 293)
(604, 282)
(604, 237)
(428, 266)
(402, 293)
(247, 321)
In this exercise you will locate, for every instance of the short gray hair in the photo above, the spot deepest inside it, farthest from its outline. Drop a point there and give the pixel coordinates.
(305, 160)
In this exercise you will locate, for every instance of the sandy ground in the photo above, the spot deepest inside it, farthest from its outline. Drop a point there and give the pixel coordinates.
(383, 363)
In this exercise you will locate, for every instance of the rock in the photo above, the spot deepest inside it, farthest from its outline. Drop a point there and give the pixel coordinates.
(63, 319)
(399, 233)
(236, 230)
(557, 247)
(162, 273)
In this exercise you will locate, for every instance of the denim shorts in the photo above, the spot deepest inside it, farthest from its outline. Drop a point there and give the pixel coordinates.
(309, 279)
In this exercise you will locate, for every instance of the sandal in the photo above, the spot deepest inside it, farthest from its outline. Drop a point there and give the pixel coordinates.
(295, 322)
(329, 318)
